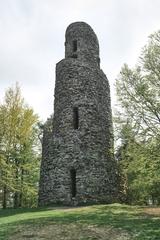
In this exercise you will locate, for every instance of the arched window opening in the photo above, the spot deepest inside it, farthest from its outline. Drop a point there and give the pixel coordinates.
(73, 182)
(75, 118)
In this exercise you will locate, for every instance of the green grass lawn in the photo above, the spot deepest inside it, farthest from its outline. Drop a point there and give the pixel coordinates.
(107, 222)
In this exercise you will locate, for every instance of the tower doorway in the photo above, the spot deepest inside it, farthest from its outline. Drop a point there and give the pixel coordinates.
(73, 182)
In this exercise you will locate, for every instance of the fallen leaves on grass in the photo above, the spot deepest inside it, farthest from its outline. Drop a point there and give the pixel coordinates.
(69, 232)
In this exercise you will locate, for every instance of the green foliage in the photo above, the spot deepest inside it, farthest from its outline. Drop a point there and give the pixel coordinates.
(138, 89)
(19, 145)
(138, 124)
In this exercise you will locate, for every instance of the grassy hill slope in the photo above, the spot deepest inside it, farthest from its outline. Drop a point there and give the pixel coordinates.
(107, 222)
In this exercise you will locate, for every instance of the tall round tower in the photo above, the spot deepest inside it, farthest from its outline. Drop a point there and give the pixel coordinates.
(78, 166)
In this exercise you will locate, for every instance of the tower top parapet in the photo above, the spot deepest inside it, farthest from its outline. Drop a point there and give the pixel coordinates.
(81, 42)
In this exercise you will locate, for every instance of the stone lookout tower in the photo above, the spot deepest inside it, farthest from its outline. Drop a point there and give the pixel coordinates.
(78, 166)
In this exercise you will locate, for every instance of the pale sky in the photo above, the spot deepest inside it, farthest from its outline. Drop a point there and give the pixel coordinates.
(32, 40)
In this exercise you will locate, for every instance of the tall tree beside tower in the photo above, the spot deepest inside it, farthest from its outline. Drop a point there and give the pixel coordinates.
(19, 161)
(138, 91)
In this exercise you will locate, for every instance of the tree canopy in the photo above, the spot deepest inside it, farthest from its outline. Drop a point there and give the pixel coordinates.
(19, 151)
(138, 122)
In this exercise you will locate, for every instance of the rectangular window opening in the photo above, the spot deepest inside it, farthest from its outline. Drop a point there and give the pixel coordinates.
(73, 182)
(74, 45)
(75, 118)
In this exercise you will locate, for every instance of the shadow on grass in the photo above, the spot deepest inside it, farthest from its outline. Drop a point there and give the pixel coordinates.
(11, 211)
(141, 226)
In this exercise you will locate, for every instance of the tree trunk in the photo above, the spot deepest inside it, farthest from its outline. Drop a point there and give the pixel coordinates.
(21, 193)
(16, 200)
(4, 203)
(16, 195)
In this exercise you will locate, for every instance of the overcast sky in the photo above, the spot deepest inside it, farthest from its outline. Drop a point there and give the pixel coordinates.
(32, 40)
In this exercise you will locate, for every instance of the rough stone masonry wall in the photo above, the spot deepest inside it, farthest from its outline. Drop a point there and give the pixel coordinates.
(89, 149)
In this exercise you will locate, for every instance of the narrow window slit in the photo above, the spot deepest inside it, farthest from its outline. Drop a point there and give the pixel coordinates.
(74, 45)
(73, 182)
(75, 118)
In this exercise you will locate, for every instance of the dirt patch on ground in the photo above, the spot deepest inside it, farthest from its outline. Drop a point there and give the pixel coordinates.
(69, 232)
(155, 211)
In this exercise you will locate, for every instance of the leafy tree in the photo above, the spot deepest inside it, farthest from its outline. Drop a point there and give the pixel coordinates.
(138, 92)
(19, 158)
(138, 89)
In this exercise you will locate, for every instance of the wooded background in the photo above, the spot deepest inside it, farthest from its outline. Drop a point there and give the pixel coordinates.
(136, 128)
